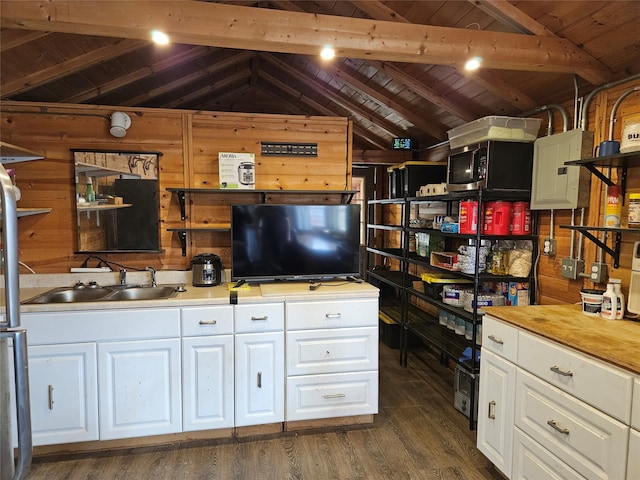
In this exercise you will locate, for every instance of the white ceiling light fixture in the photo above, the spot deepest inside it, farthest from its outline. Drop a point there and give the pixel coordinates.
(159, 37)
(120, 122)
(327, 53)
(473, 64)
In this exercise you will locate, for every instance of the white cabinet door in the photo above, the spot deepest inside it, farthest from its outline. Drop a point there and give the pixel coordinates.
(139, 384)
(496, 410)
(259, 378)
(64, 393)
(633, 462)
(207, 382)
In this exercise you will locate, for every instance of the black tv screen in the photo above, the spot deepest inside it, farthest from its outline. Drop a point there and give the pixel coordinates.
(294, 242)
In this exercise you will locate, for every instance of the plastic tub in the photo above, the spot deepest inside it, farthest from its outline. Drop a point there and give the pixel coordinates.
(509, 129)
(591, 301)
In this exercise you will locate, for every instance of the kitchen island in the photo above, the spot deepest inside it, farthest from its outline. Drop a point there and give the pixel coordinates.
(205, 363)
(559, 393)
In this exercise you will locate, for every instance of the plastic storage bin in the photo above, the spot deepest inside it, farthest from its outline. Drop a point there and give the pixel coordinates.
(509, 129)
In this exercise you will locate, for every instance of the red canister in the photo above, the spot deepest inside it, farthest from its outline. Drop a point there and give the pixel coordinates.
(501, 218)
(468, 216)
(487, 226)
(521, 219)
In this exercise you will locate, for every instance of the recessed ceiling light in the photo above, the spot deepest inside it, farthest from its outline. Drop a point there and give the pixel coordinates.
(473, 64)
(327, 53)
(159, 37)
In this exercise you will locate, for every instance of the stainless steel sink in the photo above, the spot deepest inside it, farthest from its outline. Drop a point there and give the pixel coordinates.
(104, 294)
(143, 293)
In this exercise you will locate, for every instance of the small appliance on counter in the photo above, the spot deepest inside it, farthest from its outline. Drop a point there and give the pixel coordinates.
(206, 270)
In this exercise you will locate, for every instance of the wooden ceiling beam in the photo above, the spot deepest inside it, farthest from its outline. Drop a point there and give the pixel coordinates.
(346, 104)
(14, 38)
(117, 48)
(213, 90)
(158, 67)
(187, 79)
(363, 136)
(429, 94)
(301, 97)
(430, 128)
(262, 29)
(483, 77)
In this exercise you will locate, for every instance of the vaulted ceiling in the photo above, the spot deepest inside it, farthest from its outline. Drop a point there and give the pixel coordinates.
(399, 69)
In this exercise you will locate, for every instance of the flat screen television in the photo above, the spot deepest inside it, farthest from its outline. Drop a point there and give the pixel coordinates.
(294, 242)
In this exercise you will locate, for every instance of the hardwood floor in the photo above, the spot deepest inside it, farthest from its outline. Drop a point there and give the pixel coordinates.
(417, 435)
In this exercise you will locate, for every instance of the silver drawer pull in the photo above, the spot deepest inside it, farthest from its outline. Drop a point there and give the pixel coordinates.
(496, 339)
(333, 315)
(50, 394)
(553, 424)
(564, 373)
(256, 319)
(208, 322)
(259, 382)
(334, 395)
(492, 410)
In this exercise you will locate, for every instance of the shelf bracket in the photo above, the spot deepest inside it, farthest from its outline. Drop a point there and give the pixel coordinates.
(182, 236)
(613, 252)
(599, 174)
(181, 199)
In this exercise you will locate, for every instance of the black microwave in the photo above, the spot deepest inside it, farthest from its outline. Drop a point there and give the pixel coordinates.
(492, 165)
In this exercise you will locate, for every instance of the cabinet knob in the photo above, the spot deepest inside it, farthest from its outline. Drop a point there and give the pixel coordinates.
(495, 339)
(564, 373)
(256, 319)
(333, 315)
(208, 322)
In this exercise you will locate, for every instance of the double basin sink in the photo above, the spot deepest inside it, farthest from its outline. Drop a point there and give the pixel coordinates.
(111, 293)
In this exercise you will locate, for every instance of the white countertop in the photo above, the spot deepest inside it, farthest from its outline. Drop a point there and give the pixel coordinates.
(33, 285)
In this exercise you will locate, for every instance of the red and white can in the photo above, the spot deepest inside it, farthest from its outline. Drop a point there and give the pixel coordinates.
(520, 219)
(468, 216)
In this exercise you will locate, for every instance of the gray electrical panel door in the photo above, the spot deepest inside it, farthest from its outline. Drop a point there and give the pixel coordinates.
(554, 184)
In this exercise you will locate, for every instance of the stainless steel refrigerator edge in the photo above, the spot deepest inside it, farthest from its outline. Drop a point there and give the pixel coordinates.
(10, 467)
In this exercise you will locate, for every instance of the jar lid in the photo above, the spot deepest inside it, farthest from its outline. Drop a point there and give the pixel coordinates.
(634, 196)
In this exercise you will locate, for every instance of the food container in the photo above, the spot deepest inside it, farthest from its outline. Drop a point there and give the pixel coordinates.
(434, 283)
(591, 301)
(453, 294)
(509, 129)
(485, 299)
(634, 210)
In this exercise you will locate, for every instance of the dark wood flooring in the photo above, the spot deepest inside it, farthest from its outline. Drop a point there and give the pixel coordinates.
(416, 435)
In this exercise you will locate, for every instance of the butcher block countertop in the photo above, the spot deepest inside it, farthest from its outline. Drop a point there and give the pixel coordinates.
(614, 341)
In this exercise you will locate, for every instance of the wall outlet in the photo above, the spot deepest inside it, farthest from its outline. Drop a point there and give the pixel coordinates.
(598, 273)
(549, 247)
(572, 268)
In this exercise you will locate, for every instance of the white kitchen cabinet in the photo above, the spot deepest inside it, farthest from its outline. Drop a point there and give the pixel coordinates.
(207, 368)
(64, 393)
(496, 400)
(139, 383)
(332, 358)
(259, 364)
(572, 412)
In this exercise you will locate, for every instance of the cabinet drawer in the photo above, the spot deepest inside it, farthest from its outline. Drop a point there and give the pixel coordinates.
(344, 313)
(530, 460)
(332, 350)
(600, 385)
(500, 338)
(101, 325)
(334, 395)
(262, 317)
(592, 443)
(216, 320)
(635, 408)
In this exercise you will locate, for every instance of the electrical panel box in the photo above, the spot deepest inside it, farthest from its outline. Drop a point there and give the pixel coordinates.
(556, 185)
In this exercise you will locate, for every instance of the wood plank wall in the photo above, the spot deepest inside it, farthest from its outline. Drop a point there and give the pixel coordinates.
(190, 142)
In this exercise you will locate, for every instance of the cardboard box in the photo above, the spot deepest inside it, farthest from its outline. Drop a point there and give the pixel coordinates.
(518, 294)
(448, 260)
(237, 170)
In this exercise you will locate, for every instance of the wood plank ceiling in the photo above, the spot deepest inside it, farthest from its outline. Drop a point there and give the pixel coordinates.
(398, 71)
